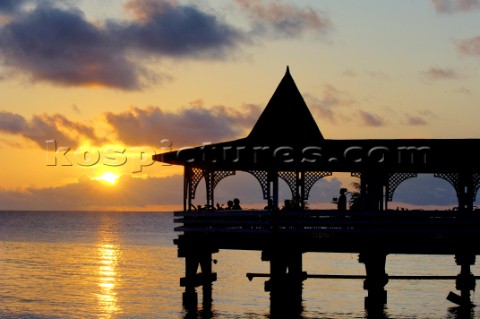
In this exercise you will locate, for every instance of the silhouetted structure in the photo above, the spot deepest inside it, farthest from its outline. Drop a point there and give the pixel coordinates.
(286, 143)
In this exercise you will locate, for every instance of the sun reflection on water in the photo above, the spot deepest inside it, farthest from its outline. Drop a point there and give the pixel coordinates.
(107, 298)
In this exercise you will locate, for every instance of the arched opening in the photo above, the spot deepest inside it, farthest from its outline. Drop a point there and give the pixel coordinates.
(326, 190)
(424, 192)
(243, 186)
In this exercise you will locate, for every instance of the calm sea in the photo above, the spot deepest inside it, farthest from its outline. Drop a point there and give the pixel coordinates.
(124, 265)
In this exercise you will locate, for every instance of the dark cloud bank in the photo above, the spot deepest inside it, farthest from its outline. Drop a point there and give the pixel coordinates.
(190, 126)
(43, 127)
(55, 42)
(60, 45)
(137, 126)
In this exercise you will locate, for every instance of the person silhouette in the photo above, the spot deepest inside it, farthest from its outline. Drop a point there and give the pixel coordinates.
(342, 200)
(236, 204)
(229, 204)
(269, 205)
(287, 205)
(296, 203)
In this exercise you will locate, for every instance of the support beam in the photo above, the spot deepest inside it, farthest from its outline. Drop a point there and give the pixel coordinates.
(194, 260)
(376, 277)
(465, 281)
(285, 283)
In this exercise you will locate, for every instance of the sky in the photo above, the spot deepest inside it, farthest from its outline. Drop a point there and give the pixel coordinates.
(90, 90)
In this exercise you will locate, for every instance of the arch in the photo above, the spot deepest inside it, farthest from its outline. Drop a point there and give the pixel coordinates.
(262, 178)
(213, 177)
(465, 188)
(194, 177)
(453, 179)
(310, 178)
(394, 180)
(476, 185)
(243, 186)
(290, 177)
(427, 190)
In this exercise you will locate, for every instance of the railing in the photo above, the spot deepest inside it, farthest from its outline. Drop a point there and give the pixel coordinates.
(330, 222)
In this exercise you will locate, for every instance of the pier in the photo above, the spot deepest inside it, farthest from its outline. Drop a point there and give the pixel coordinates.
(287, 144)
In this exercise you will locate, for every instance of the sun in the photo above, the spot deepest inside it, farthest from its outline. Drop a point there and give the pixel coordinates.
(108, 177)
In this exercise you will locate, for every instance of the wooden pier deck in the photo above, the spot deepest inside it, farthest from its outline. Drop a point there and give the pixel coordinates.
(394, 232)
(282, 237)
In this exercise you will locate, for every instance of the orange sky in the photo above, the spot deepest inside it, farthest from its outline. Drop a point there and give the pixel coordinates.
(114, 82)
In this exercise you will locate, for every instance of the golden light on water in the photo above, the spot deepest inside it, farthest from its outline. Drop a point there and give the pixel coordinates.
(107, 298)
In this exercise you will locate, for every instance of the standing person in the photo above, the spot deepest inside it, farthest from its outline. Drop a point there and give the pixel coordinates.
(342, 200)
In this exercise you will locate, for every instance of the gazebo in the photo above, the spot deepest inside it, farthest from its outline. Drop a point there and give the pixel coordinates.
(287, 144)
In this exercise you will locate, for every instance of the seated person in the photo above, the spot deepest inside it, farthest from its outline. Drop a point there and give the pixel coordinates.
(229, 205)
(236, 204)
(269, 205)
(287, 205)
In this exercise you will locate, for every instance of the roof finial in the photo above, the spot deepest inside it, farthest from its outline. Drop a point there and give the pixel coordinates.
(288, 70)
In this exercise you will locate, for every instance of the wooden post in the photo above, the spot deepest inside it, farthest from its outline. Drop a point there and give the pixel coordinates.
(187, 203)
(190, 298)
(465, 281)
(274, 176)
(466, 197)
(208, 278)
(285, 284)
(193, 259)
(376, 278)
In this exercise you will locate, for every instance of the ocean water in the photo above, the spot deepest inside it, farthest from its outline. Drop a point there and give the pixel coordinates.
(124, 265)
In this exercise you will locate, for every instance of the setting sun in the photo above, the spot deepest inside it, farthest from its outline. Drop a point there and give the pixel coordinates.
(108, 177)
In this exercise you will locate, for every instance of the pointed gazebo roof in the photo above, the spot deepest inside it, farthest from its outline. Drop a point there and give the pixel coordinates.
(286, 138)
(285, 127)
(286, 119)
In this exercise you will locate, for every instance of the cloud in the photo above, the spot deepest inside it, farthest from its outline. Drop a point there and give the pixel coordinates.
(469, 46)
(41, 128)
(350, 73)
(167, 29)
(371, 74)
(283, 19)
(192, 125)
(61, 46)
(463, 91)
(370, 119)
(148, 126)
(415, 120)
(436, 73)
(11, 6)
(53, 41)
(76, 109)
(450, 6)
(331, 99)
(87, 194)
